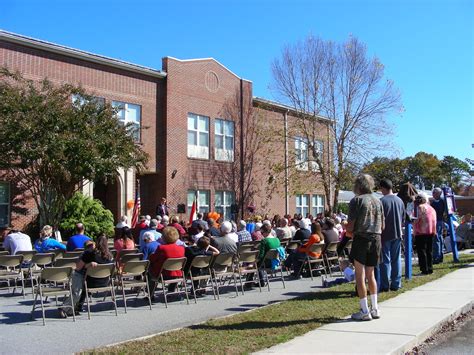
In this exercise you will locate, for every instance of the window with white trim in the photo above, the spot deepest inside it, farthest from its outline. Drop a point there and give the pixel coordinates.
(301, 154)
(223, 203)
(302, 205)
(79, 101)
(224, 140)
(319, 145)
(317, 204)
(202, 200)
(129, 113)
(198, 136)
(4, 204)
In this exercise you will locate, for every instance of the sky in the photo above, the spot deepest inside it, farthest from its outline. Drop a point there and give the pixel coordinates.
(426, 47)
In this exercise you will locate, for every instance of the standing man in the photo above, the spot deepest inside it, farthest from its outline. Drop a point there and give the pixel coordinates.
(440, 207)
(394, 213)
(162, 209)
(77, 241)
(365, 223)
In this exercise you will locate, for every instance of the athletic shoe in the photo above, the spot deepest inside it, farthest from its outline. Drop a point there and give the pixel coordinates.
(375, 313)
(361, 316)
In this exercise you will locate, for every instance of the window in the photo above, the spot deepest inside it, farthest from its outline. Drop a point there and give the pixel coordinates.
(202, 200)
(4, 204)
(198, 136)
(79, 101)
(302, 204)
(317, 204)
(319, 145)
(223, 203)
(304, 157)
(129, 114)
(224, 140)
(301, 154)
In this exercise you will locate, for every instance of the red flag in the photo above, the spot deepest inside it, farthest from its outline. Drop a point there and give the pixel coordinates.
(136, 207)
(192, 215)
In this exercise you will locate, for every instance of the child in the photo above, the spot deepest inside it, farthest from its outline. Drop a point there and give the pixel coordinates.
(349, 275)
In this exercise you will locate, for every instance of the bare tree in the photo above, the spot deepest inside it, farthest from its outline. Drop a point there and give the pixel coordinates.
(339, 82)
(239, 172)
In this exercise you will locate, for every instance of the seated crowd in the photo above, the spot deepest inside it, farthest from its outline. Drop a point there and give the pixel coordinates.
(164, 237)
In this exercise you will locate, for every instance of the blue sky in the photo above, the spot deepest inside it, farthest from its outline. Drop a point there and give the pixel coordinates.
(426, 46)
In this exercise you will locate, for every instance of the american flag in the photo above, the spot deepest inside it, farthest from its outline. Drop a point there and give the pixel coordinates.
(136, 207)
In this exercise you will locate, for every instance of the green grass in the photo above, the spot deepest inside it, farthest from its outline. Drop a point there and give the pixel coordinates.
(271, 325)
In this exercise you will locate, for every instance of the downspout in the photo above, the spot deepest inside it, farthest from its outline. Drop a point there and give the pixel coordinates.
(329, 169)
(242, 175)
(287, 197)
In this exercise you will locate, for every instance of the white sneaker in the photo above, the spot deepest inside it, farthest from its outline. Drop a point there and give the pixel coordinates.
(361, 316)
(375, 313)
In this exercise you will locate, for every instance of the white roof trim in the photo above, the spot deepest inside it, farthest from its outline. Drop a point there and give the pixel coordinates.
(286, 107)
(207, 59)
(78, 54)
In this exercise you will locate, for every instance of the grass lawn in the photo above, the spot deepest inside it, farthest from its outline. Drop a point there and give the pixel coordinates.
(268, 326)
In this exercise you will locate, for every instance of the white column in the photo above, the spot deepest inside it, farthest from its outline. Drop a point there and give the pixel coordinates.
(88, 188)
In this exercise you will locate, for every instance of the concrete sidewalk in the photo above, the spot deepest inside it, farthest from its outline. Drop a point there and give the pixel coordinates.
(406, 321)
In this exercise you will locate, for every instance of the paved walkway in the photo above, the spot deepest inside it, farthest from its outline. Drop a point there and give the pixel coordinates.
(20, 335)
(406, 321)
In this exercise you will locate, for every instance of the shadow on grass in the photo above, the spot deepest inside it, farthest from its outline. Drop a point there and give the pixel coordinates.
(324, 295)
(262, 325)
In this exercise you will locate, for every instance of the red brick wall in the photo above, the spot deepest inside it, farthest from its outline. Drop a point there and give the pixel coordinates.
(99, 80)
(187, 93)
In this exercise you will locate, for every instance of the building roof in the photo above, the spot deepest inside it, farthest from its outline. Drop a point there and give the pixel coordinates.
(283, 107)
(79, 54)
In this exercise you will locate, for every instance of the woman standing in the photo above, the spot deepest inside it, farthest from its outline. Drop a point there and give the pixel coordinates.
(424, 229)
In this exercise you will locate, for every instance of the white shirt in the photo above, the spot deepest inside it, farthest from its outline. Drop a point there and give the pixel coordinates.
(234, 237)
(16, 242)
(197, 236)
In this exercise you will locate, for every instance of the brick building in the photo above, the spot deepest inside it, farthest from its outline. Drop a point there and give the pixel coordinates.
(191, 118)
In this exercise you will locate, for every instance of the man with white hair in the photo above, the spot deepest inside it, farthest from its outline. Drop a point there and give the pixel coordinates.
(365, 223)
(242, 233)
(439, 206)
(151, 228)
(224, 243)
(283, 231)
(122, 223)
(304, 232)
(165, 221)
(149, 245)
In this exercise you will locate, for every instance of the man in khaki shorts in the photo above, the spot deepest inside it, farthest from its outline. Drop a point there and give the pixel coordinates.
(365, 223)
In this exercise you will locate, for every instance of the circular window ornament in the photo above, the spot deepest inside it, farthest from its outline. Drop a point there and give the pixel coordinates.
(212, 81)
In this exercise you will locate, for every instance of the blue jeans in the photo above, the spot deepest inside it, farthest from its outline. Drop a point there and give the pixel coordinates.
(391, 265)
(438, 243)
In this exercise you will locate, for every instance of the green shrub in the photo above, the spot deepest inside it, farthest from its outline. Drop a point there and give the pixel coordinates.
(95, 217)
(344, 207)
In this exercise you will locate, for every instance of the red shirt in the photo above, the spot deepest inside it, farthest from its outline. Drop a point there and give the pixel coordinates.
(165, 251)
(180, 229)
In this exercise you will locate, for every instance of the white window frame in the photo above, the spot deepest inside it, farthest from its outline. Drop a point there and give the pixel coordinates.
(317, 204)
(227, 132)
(203, 200)
(301, 154)
(320, 148)
(7, 204)
(301, 207)
(79, 101)
(227, 199)
(198, 150)
(123, 115)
